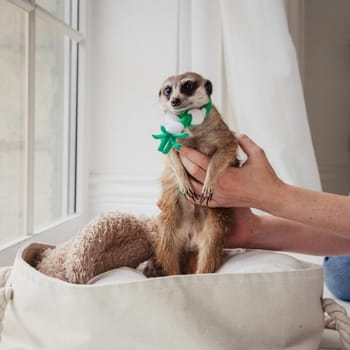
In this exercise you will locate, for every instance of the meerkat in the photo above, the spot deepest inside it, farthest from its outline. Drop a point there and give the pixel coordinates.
(190, 235)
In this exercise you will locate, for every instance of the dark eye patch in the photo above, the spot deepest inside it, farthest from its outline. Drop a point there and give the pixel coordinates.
(189, 87)
(167, 91)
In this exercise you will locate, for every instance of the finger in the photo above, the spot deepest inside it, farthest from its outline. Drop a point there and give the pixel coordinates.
(196, 157)
(248, 145)
(196, 187)
(193, 169)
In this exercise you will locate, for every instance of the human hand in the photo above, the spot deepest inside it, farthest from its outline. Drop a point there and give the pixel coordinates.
(251, 185)
(243, 228)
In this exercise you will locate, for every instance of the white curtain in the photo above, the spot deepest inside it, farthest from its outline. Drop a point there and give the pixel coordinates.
(245, 48)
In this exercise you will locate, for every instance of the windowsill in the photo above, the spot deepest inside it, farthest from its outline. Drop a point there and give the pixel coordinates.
(54, 234)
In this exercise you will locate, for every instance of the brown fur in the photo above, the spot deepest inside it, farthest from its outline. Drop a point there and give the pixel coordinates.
(109, 241)
(185, 227)
(186, 238)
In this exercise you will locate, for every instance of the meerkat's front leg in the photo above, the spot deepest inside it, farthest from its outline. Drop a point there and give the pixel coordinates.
(218, 163)
(181, 175)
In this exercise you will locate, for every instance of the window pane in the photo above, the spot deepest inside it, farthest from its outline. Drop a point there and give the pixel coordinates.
(54, 166)
(65, 10)
(12, 121)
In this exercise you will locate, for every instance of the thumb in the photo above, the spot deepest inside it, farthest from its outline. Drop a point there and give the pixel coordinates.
(249, 146)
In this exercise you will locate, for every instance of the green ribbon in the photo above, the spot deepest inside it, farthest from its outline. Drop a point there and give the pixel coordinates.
(168, 139)
(186, 118)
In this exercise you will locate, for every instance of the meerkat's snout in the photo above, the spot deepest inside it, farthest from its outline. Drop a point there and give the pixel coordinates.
(175, 102)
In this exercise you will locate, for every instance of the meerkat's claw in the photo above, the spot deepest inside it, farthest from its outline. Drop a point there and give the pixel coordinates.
(188, 193)
(209, 198)
(206, 195)
(192, 194)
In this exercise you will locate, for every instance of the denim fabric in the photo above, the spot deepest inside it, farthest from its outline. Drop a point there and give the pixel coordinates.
(337, 276)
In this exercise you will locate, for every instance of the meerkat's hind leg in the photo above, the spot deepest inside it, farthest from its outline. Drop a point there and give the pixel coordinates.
(189, 262)
(168, 257)
(209, 259)
(167, 248)
(210, 246)
(150, 268)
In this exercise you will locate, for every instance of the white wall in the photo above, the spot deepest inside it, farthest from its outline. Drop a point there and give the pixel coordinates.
(127, 67)
(123, 89)
(327, 88)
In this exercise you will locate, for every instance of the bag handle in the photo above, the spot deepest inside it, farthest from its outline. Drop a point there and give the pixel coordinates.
(6, 293)
(336, 318)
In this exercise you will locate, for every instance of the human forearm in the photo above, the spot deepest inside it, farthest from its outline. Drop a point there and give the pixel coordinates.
(318, 209)
(256, 185)
(275, 233)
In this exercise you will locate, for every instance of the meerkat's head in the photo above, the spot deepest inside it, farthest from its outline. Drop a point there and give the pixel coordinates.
(182, 92)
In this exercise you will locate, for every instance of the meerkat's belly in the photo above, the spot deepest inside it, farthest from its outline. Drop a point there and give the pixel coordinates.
(193, 220)
(187, 223)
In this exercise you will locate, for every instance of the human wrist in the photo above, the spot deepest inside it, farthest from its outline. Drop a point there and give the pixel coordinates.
(254, 240)
(258, 236)
(271, 198)
(264, 234)
(247, 236)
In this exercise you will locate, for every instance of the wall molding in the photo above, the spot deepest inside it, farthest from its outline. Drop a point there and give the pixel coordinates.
(134, 194)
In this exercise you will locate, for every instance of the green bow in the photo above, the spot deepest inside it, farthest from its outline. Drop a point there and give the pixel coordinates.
(168, 139)
(186, 118)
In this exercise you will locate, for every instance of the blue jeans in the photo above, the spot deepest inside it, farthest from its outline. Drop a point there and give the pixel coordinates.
(337, 276)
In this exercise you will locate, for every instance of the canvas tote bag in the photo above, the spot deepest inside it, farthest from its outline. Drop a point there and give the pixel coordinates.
(274, 310)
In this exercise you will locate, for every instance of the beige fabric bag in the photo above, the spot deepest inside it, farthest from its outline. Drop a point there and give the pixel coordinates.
(273, 310)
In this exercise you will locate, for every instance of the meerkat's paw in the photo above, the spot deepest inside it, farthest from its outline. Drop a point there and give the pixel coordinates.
(187, 191)
(151, 269)
(206, 195)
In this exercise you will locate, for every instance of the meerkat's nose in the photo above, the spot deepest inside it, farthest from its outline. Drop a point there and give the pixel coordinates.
(175, 101)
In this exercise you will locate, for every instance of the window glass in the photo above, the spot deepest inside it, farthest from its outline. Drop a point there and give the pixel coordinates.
(37, 146)
(65, 10)
(12, 121)
(55, 114)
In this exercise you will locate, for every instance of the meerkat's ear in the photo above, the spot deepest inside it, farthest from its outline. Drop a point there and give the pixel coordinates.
(159, 93)
(208, 87)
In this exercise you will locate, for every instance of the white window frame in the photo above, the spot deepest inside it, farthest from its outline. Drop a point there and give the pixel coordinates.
(63, 229)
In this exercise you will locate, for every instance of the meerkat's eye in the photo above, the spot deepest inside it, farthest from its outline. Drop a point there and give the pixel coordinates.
(189, 87)
(167, 91)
